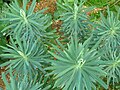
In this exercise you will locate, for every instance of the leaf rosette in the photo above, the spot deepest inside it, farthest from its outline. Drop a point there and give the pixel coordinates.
(76, 67)
(25, 56)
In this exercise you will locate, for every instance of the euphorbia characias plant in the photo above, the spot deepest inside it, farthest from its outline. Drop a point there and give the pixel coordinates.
(76, 64)
(77, 67)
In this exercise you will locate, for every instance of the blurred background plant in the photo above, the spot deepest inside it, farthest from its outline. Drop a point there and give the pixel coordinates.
(24, 83)
(3, 40)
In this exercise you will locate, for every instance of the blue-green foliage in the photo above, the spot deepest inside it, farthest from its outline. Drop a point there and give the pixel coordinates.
(77, 64)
